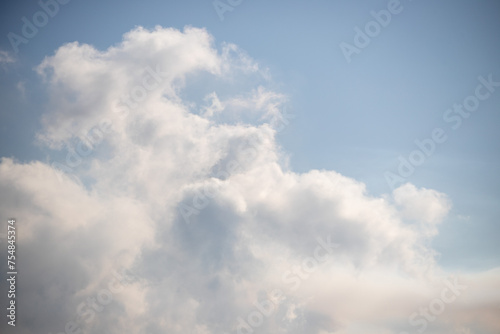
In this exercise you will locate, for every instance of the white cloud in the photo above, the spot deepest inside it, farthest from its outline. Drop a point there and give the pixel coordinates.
(250, 236)
(6, 58)
(425, 206)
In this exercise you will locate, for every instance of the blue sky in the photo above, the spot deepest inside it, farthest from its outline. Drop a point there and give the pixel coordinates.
(354, 117)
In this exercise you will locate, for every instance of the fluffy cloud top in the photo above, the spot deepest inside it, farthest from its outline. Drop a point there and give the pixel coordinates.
(171, 172)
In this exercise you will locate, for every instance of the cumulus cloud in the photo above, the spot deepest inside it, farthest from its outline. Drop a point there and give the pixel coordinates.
(189, 192)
